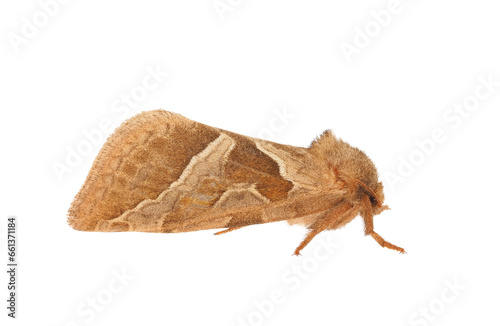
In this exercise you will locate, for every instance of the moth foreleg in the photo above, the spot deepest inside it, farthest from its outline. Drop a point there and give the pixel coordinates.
(228, 230)
(368, 219)
(333, 216)
(386, 244)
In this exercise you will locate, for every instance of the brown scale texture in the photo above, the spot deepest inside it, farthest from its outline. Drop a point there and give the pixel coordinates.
(137, 162)
(247, 164)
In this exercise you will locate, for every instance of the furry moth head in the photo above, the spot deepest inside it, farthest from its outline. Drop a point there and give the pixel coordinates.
(352, 167)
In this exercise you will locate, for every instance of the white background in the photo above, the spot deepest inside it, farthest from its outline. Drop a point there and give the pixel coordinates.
(235, 70)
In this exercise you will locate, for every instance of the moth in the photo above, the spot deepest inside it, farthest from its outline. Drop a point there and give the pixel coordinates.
(161, 172)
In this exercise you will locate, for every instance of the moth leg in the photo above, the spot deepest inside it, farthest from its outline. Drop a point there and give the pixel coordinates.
(368, 219)
(386, 244)
(323, 224)
(228, 230)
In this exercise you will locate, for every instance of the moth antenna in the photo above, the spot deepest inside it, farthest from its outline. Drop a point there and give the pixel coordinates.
(379, 203)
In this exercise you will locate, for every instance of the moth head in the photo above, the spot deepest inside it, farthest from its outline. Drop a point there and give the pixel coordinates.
(352, 169)
(366, 192)
(375, 198)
